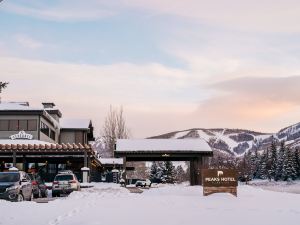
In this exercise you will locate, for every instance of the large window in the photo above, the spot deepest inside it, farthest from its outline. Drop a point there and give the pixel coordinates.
(22, 124)
(45, 129)
(13, 125)
(4, 125)
(32, 125)
(17, 125)
(52, 134)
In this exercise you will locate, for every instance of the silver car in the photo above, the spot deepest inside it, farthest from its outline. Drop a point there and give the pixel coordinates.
(65, 183)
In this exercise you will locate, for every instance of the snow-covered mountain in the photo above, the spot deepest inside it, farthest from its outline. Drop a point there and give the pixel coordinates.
(238, 141)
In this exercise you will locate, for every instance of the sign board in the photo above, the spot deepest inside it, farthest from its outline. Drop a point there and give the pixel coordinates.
(219, 180)
(21, 135)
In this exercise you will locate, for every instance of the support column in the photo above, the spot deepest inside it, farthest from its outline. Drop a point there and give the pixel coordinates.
(24, 164)
(85, 170)
(124, 175)
(195, 171)
(85, 162)
(192, 173)
(14, 158)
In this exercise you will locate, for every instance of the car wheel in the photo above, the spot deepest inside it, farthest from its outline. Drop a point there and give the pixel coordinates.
(31, 197)
(20, 198)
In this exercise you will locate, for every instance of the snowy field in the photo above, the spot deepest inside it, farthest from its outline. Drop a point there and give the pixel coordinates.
(109, 204)
(279, 186)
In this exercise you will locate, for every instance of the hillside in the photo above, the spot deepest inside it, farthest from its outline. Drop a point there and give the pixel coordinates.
(238, 141)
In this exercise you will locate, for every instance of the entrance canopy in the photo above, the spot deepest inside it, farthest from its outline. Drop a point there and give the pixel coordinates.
(161, 149)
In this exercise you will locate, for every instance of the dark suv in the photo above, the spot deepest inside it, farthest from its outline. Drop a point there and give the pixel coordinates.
(15, 186)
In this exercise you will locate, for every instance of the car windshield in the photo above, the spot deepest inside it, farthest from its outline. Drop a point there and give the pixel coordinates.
(63, 177)
(9, 177)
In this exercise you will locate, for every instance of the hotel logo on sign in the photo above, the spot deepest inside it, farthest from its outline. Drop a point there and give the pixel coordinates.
(21, 135)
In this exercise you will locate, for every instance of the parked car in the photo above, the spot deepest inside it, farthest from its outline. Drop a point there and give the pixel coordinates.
(15, 186)
(39, 187)
(65, 182)
(143, 183)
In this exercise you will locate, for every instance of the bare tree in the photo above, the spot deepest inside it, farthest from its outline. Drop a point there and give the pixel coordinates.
(3, 85)
(114, 128)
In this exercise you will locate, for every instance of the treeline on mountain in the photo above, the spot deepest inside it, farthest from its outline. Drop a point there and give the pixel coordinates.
(277, 162)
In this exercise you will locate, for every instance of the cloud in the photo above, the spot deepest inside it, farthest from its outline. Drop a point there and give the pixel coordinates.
(256, 15)
(156, 98)
(253, 102)
(68, 11)
(28, 42)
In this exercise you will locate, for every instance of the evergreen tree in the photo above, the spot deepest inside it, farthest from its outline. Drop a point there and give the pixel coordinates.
(280, 158)
(254, 165)
(180, 174)
(153, 171)
(273, 160)
(288, 171)
(297, 162)
(262, 166)
(169, 172)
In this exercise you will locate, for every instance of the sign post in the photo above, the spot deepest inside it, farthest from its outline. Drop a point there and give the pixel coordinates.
(219, 180)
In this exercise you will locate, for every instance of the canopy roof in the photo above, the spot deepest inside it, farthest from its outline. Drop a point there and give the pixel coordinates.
(162, 145)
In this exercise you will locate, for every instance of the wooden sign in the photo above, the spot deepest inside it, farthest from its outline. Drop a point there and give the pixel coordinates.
(219, 180)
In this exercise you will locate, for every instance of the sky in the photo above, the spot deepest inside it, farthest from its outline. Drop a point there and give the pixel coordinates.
(171, 65)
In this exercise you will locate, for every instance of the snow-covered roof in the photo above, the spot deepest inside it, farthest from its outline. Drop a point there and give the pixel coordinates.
(74, 123)
(165, 145)
(18, 106)
(111, 161)
(23, 141)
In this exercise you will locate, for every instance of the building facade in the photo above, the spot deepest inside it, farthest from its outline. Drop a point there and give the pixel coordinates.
(40, 140)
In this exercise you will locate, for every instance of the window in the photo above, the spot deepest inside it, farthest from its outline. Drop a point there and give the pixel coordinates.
(51, 168)
(22, 124)
(52, 134)
(32, 124)
(13, 125)
(4, 125)
(17, 125)
(44, 129)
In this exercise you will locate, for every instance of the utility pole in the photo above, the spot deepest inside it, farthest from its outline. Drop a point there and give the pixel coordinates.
(3, 85)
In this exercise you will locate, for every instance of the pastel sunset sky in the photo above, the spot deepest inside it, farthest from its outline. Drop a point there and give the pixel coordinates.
(171, 64)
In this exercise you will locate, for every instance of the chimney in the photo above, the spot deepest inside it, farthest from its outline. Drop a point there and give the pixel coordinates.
(48, 105)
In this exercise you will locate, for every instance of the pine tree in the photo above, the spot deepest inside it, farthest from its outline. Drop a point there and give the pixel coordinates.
(288, 171)
(180, 174)
(254, 165)
(297, 162)
(153, 171)
(262, 166)
(293, 162)
(273, 160)
(169, 172)
(280, 158)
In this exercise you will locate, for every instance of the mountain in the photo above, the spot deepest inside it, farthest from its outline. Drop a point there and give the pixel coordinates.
(238, 141)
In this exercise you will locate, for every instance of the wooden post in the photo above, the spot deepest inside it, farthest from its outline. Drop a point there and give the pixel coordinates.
(198, 170)
(192, 173)
(124, 175)
(195, 171)
(14, 159)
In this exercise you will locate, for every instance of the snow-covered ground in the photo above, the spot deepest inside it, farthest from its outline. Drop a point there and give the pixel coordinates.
(279, 186)
(109, 204)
